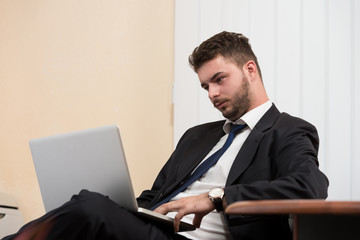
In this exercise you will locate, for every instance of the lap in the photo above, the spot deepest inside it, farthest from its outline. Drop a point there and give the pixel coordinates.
(90, 215)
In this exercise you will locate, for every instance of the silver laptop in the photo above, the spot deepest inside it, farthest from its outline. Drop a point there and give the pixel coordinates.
(91, 159)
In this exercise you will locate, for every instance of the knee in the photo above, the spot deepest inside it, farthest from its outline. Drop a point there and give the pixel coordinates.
(90, 206)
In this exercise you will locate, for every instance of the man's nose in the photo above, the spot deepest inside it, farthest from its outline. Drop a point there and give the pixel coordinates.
(213, 91)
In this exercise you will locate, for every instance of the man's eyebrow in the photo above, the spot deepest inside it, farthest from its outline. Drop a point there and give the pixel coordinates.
(203, 85)
(215, 76)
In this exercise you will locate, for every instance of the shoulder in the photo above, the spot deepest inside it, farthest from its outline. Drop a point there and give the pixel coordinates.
(201, 131)
(289, 122)
(281, 127)
(207, 126)
(293, 133)
(273, 119)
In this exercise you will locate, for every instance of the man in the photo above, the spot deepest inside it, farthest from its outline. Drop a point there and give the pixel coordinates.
(274, 156)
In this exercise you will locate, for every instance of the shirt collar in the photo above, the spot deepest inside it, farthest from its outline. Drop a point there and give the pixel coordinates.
(250, 118)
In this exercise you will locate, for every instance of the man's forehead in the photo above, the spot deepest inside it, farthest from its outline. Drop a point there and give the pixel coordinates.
(214, 67)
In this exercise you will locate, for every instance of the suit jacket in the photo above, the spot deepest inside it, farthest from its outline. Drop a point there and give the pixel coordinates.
(278, 160)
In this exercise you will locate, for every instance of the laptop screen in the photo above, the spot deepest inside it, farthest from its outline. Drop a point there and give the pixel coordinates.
(91, 159)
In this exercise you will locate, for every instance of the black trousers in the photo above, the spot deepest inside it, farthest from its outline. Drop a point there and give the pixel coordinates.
(90, 215)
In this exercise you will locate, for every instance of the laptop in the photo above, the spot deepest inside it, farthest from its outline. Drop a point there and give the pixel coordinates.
(91, 159)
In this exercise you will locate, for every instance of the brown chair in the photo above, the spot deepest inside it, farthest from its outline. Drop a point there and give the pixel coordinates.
(312, 219)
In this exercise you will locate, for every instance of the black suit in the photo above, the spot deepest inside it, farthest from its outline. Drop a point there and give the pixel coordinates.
(278, 160)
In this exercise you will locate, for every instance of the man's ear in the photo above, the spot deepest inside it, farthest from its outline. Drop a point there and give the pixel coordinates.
(250, 69)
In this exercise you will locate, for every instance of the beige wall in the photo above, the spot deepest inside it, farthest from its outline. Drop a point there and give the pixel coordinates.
(70, 65)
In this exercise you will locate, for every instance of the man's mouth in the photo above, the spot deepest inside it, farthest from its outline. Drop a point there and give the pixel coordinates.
(219, 104)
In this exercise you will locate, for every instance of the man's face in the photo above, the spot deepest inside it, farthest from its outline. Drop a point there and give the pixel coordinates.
(227, 86)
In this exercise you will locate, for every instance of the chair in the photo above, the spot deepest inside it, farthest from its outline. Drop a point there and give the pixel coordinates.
(312, 219)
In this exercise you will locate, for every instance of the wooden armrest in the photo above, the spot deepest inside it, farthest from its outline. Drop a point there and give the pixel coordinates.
(299, 206)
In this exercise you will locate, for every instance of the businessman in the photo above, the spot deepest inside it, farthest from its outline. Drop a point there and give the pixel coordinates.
(256, 153)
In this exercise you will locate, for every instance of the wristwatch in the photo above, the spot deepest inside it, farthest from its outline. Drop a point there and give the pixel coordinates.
(216, 195)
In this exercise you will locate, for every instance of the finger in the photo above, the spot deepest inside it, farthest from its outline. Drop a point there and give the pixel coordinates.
(197, 220)
(160, 210)
(177, 220)
(167, 207)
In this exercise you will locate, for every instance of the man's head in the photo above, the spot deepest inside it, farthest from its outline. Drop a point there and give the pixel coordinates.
(227, 68)
(232, 46)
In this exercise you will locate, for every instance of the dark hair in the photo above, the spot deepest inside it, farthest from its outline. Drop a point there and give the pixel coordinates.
(232, 46)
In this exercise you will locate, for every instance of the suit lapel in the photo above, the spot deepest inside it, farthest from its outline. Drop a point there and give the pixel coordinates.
(251, 144)
(199, 150)
(199, 147)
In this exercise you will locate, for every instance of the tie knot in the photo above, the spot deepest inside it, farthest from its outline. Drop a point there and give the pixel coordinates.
(236, 128)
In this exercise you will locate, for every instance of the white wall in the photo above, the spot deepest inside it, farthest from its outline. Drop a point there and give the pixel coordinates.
(309, 53)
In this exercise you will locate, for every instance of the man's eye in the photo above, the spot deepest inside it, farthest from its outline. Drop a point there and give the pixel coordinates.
(219, 79)
(205, 86)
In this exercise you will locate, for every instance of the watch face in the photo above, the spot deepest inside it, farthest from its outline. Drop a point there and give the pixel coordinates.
(216, 193)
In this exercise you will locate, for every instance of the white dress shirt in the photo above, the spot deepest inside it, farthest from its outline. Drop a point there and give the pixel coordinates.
(213, 225)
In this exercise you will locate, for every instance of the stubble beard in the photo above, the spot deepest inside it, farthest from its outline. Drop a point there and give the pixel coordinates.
(240, 103)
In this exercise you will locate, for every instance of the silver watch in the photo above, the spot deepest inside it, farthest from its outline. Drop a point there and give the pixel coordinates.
(216, 195)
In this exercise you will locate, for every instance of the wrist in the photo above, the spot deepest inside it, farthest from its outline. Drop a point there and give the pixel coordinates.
(216, 195)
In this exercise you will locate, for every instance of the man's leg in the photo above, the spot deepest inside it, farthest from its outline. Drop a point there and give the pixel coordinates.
(91, 216)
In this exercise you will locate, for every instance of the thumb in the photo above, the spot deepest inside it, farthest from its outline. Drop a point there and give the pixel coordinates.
(197, 220)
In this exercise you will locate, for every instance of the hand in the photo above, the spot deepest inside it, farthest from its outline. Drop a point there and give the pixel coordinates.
(200, 205)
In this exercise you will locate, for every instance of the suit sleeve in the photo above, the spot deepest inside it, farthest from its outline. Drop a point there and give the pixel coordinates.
(285, 167)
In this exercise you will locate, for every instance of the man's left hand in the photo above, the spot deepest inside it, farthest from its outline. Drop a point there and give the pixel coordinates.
(199, 205)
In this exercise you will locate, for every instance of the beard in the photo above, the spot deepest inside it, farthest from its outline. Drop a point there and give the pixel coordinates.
(239, 103)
